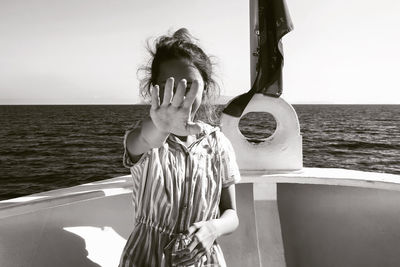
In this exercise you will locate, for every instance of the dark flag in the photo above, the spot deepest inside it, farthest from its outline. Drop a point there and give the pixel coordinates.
(274, 23)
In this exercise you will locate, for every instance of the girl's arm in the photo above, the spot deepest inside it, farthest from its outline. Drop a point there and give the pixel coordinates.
(207, 231)
(143, 139)
(229, 221)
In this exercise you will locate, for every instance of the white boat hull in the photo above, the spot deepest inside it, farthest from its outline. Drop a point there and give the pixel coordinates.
(314, 217)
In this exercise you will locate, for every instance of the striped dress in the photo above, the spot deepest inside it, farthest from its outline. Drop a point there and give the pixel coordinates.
(175, 186)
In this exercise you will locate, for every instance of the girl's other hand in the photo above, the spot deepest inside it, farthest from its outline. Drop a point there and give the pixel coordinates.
(203, 236)
(174, 113)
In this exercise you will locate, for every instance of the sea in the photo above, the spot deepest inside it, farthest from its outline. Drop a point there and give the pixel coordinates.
(46, 147)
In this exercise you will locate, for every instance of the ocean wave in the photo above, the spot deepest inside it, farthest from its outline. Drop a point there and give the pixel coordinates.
(364, 145)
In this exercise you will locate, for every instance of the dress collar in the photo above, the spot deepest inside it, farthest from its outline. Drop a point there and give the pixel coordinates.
(206, 130)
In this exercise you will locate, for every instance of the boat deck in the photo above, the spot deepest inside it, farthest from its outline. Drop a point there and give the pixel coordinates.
(304, 218)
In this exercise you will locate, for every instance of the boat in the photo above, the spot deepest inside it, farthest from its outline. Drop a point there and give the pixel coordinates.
(289, 215)
(312, 217)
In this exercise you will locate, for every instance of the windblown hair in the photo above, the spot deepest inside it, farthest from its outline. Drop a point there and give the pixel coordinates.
(182, 45)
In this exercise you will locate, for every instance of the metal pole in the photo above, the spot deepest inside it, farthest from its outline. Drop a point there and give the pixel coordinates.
(254, 32)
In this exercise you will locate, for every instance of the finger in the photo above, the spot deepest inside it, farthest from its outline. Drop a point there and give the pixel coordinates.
(187, 241)
(191, 230)
(155, 98)
(189, 249)
(169, 85)
(199, 224)
(186, 252)
(192, 257)
(179, 94)
(191, 95)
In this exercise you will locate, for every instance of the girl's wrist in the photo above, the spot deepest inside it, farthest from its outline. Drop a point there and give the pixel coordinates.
(227, 223)
(215, 225)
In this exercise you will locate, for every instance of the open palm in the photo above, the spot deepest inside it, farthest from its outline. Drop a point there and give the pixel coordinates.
(174, 113)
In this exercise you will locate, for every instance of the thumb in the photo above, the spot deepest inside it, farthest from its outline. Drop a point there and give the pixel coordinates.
(193, 128)
(192, 229)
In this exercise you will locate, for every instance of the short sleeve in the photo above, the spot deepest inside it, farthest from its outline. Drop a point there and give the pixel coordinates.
(229, 169)
(126, 160)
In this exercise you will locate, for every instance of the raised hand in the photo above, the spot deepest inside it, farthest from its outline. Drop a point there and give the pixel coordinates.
(174, 113)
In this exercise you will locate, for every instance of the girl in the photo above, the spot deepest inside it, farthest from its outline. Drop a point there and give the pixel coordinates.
(183, 171)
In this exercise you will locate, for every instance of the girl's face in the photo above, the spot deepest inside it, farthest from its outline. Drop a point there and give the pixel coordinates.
(181, 69)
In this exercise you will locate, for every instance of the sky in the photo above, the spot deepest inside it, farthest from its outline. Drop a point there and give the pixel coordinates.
(88, 51)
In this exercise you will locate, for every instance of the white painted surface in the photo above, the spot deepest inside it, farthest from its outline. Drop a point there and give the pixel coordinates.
(122, 185)
(281, 151)
(81, 233)
(87, 225)
(339, 226)
(92, 232)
